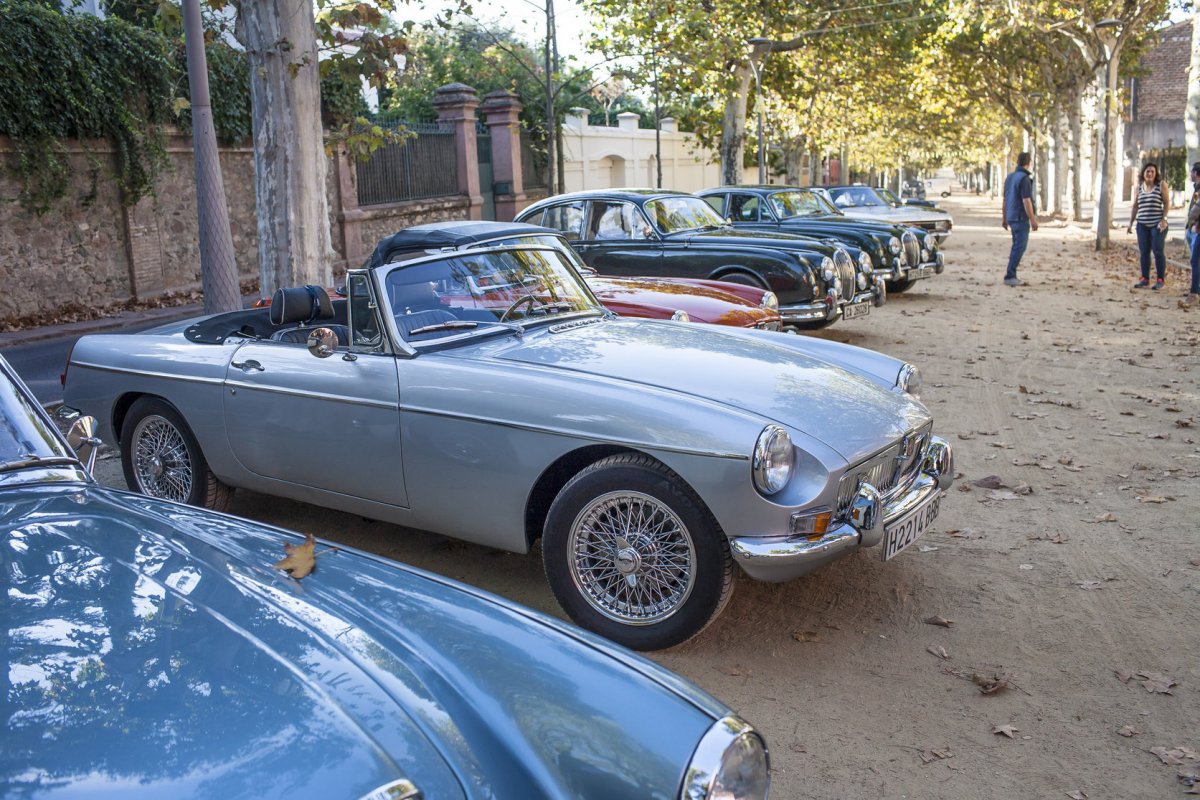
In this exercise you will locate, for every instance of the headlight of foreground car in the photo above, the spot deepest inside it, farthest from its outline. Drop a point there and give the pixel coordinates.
(931, 244)
(773, 459)
(864, 263)
(909, 380)
(827, 271)
(681, 316)
(769, 301)
(894, 246)
(730, 763)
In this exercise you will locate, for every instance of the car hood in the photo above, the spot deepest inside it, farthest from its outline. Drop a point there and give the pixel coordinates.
(908, 215)
(153, 651)
(763, 374)
(660, 299)
(840, 222)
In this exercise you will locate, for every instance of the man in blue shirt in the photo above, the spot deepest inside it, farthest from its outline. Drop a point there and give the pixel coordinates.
(1019, 217)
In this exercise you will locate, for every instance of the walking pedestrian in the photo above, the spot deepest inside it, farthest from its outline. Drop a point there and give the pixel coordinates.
(1149, 214)
(1018, 215)
(1192, 234)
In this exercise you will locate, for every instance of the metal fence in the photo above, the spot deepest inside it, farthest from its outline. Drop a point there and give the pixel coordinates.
(533, 163)
(422, 166)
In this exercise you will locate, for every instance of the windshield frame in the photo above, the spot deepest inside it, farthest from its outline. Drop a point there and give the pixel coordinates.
(646, 212)
(889, 197)
(485, 329)
(34, 424)
(868, 189)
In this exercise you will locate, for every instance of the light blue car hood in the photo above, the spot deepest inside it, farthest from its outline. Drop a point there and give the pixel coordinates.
(763, 374)
(150, 650)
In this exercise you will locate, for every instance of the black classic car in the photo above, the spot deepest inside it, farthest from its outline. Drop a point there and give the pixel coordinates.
(865, 202)
(648, 232)
(900, 253)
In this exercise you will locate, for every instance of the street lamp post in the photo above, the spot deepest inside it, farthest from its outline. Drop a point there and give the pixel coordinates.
(757, 42)
(1104, 201)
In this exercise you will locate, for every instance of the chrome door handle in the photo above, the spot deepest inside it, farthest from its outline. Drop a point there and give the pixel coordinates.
(249, 365)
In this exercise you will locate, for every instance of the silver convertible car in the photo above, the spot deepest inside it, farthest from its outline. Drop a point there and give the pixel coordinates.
(478, 390)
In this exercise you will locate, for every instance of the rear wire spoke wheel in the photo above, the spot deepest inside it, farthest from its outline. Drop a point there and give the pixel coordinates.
(631, 553)
(162, 458)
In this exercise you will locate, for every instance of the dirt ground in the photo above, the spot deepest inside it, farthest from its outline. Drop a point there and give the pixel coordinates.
(1073, 582)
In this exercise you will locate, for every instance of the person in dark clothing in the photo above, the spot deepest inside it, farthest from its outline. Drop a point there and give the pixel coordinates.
(1192, 233)
(1019, 216)
(1149, 214)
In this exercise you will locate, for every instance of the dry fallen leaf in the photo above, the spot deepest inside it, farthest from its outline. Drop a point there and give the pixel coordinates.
(1000, 494)
(1078, 794)
(1006, 730)
(1129, 730)
(805, 636)
(931, 754)
(1089, 585)
(990, 482)
(1123, 677)
(942, 621)
(1156, 682)
(1022, 488)
(1110, 517)
(990, 683)
(938, 651)
(1152, 498)
(300, 559)
(1173, 758)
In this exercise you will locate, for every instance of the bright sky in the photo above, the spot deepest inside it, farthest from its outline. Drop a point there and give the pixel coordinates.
(526, 17)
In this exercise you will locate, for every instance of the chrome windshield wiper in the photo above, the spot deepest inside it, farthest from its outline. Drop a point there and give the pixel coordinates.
(460, 324)
(38, 461)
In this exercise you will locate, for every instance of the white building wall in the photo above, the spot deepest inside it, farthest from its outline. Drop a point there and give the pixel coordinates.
(598, 157)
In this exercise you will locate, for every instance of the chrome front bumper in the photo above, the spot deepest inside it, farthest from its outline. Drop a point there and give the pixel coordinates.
(822, 310)
(781, 558)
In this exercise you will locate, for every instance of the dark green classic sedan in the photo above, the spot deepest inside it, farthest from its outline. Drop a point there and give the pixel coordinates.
(902, 254)
(649, 232)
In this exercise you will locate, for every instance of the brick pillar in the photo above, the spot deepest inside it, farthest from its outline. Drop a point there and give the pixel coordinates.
(456, 104)
(500, 110)
(346, 213)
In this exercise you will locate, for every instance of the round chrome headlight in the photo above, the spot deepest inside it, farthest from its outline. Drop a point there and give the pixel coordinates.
(769, 301)
(925, 254)
(894, 246)
(773, 459)
(909, 380)
(730, 763)
(861, 281)
(827, 271)
(681, 316)
(931, 243)
(864, 262)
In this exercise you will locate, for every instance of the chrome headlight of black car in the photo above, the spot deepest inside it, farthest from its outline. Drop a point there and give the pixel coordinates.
(864, 262)
(730, 763)
(770, 301)
(894, 246)
(909, 380)
(827, 270)
(773, 459)
(931, 244)
(681, 316)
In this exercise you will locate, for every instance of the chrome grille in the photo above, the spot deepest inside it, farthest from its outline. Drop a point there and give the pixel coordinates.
(845, 270)
(769, 326)
(890, 471)
(912, 248)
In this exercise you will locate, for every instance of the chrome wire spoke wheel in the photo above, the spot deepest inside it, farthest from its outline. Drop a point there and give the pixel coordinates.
(161, 461)
(632, 557)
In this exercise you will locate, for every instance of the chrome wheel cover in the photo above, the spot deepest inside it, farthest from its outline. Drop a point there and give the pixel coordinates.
(632, 558)
(161, 463)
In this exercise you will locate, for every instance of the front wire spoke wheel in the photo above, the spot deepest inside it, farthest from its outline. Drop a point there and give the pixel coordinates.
(633, 557)
(161, 461)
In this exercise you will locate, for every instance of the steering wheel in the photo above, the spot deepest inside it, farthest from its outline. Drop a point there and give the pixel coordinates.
(528, 300)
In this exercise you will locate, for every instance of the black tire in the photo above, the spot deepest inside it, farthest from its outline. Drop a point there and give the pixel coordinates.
(742, 279)
(899, 287)
(683, 571)
(170, 464)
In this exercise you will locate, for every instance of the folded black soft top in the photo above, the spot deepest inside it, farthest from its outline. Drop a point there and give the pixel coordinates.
(442, 235)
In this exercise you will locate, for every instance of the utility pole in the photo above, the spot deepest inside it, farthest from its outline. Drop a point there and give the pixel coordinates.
(218, 268)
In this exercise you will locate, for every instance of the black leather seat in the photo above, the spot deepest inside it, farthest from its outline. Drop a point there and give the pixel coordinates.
(308, 306)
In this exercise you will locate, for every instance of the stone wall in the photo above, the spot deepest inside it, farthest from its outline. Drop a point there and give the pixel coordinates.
(96, 251)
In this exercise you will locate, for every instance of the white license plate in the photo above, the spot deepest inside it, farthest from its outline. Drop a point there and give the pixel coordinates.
(921, 272)
(900, 535)
(856, 310)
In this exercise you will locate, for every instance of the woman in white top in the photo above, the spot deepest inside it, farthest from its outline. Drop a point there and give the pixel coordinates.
(1149, 214)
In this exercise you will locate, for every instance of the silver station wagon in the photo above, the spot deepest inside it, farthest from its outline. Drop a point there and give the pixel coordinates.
(481, 392)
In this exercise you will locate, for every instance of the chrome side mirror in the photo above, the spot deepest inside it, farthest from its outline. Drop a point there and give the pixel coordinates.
(322, 342)
(83, 440)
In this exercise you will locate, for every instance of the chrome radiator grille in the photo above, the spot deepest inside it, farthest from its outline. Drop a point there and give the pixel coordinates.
(890, 471)
(912, 248)
(845, 270)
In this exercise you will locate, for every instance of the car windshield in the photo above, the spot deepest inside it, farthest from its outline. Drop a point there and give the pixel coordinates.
(674, 214)
(889, 198)
(798, 204)
(485, 290)
(25, 438)
(855, 197)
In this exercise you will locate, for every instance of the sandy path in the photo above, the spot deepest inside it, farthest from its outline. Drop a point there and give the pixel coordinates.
(835, 669)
